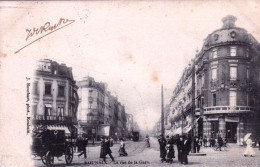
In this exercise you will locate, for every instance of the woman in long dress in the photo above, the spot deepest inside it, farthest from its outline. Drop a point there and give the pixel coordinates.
(249, 149)
(122, 151)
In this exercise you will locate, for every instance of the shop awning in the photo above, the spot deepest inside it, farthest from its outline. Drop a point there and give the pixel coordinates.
(53, 127)
(169, 133)
(104, 130)
(80, 130)
(198, 119)
(177, 131)
(187, 129)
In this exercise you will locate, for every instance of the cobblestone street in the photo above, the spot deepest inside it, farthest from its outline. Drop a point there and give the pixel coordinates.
(141, 156)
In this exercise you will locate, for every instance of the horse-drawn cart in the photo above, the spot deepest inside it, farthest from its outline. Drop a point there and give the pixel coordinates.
(48, 144)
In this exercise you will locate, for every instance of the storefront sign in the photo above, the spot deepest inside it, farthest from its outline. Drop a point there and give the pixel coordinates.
(212, 118)
(231, 119)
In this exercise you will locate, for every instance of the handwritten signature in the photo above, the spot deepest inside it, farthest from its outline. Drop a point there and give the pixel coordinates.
(46, 28)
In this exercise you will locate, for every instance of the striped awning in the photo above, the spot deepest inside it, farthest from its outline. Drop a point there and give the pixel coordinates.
(53, 127)
(80, 130)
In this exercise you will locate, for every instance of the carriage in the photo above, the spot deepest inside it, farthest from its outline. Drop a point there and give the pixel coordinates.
(48, 144)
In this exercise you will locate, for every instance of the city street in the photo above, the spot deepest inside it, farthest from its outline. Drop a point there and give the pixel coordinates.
(141, 156)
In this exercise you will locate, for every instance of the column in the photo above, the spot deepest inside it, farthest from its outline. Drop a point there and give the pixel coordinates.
(222, 126)
(240, 131)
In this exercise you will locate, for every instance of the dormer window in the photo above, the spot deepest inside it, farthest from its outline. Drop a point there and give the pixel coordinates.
(247, 52)
(233, 51)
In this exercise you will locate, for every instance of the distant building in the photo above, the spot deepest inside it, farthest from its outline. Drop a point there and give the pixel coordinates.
(54, 96)
(91, 106)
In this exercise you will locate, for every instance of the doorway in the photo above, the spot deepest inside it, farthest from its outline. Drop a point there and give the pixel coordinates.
(231, 132)
(214, 128)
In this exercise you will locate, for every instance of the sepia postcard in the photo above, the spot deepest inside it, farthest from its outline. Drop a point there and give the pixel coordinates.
(130, 83)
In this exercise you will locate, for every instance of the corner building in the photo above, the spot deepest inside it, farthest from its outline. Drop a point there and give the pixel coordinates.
(227, 83)
(54, 97)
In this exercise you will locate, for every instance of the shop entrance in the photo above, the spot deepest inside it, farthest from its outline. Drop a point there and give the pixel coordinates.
(231, 132)
(200, 127)
(214, 129)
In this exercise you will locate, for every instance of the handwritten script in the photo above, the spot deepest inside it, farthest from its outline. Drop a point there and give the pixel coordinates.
(45, 30)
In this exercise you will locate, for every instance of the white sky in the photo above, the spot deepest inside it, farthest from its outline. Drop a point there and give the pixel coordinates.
(133, 46)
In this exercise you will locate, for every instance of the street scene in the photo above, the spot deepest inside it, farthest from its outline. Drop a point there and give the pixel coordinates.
(130, 83)
(143, 156)
(210, 119)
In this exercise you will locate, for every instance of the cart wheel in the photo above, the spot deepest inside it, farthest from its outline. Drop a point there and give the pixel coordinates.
(43, 157)
(49, 159)
(69, 155)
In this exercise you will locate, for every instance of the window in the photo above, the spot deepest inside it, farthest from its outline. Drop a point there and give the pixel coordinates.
(47, 110)
(34, 109)
(35, 88)
(214, 74)
(61, 90)
(247, 98)
(214, 98)
(60, 111)
(247, 52)
(215, 53)
(47, 88)
(233, 51)
(233, 73)
(247, 74)
(232, 98)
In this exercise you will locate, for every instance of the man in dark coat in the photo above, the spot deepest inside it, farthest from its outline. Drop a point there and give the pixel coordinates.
(220, 142)
(82, 144)
(178, 143)
(169, 150)
(102, 149)
(184, 147)
(162, 143)
(107, 150)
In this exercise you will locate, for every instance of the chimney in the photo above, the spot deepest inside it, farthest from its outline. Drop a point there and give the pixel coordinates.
(229, 21)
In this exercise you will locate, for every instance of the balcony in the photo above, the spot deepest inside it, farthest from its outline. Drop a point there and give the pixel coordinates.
(227, 109)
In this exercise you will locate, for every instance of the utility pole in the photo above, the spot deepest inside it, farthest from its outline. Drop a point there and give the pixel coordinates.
(162, 115)
(193, 107)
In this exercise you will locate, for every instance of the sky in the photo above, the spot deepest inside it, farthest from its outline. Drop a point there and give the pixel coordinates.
(135, 47)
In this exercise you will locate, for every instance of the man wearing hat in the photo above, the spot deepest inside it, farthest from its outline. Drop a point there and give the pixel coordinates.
(162, 143)
(184, 149)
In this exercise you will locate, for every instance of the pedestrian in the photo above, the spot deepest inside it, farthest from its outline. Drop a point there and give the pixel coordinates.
(178, 144)
(102, 149)
(147, 141)
(184, 149)
(259, 142)
(196, 145)
(111, 142)
(122, 151)
(249, 147)
(169, 150)
(93, 139)
(108, 150)
(200, 141)
(220, 142)
(162, 143)
(82, 144)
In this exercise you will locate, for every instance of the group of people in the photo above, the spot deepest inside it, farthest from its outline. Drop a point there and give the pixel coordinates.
(105, 148)
(106, 143)
(167, 152)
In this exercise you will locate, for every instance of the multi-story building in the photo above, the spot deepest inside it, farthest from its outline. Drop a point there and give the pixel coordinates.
(54, 96)
(225, 75)
(91, 106)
